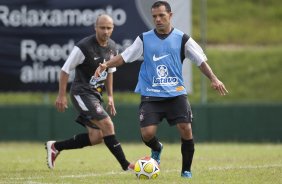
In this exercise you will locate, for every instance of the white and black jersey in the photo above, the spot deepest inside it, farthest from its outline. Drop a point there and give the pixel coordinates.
(85, 58)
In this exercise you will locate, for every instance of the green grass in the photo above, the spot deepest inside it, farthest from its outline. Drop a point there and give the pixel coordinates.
(249, 22)
(38, 98)
(213, 163)
(251, 74)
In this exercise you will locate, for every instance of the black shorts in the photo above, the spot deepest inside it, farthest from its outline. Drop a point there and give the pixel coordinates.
(89, 107)
(175, 110)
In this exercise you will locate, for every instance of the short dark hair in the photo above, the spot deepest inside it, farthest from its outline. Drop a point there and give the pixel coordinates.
(162, 3)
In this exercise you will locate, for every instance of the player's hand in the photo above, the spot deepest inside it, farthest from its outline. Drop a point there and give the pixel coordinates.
(61, 103)
(111, 106)
(219, 86)
(102, 67)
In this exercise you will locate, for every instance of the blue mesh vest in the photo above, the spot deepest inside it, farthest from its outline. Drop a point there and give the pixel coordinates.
(161, 71)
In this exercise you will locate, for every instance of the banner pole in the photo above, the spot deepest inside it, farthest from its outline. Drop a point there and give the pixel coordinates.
(203, 16)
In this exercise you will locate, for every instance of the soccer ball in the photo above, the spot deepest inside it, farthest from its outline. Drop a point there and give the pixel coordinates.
(146, 168)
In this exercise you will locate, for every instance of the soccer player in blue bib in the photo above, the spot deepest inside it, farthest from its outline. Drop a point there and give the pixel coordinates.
(160, 81)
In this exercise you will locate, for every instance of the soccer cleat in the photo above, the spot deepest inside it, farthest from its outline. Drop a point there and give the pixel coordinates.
(130, 167)
(186, 174)
(52, 154)
(157, 154)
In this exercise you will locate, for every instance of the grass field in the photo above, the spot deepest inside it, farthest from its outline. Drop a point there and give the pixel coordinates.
(213, 163)
(240, 22)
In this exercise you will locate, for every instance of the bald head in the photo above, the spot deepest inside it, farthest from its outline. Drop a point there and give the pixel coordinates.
(104, 27)
(104, 18)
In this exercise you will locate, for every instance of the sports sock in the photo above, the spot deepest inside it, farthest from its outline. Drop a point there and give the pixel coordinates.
(78, 141)
(187, 150)
(154, 144)
(116, 149)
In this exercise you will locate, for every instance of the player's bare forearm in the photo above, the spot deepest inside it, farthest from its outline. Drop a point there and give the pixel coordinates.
(61, 100)
(64, 77)
(114, 62)
(215, 82)
(207, 71)
(109, 88)
(109, 84)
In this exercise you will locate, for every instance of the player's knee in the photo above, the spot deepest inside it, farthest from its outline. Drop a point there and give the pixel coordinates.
(148, 132)
(185, 127)
(147, 135)
(107, 127)
(95, 137)
(96, 141)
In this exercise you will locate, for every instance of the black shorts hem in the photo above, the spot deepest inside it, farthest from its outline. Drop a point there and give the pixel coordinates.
(142, 125)
(182, 120)
(85, 121)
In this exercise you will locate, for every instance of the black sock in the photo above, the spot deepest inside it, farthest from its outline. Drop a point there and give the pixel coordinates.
(187, 150)
(116, 149)
(78, 141)
(154, 144)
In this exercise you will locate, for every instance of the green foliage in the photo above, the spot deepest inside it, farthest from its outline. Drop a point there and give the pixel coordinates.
(213, 163)
(16, 98)
(251, 74)
(240, 22)
(27, 98)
